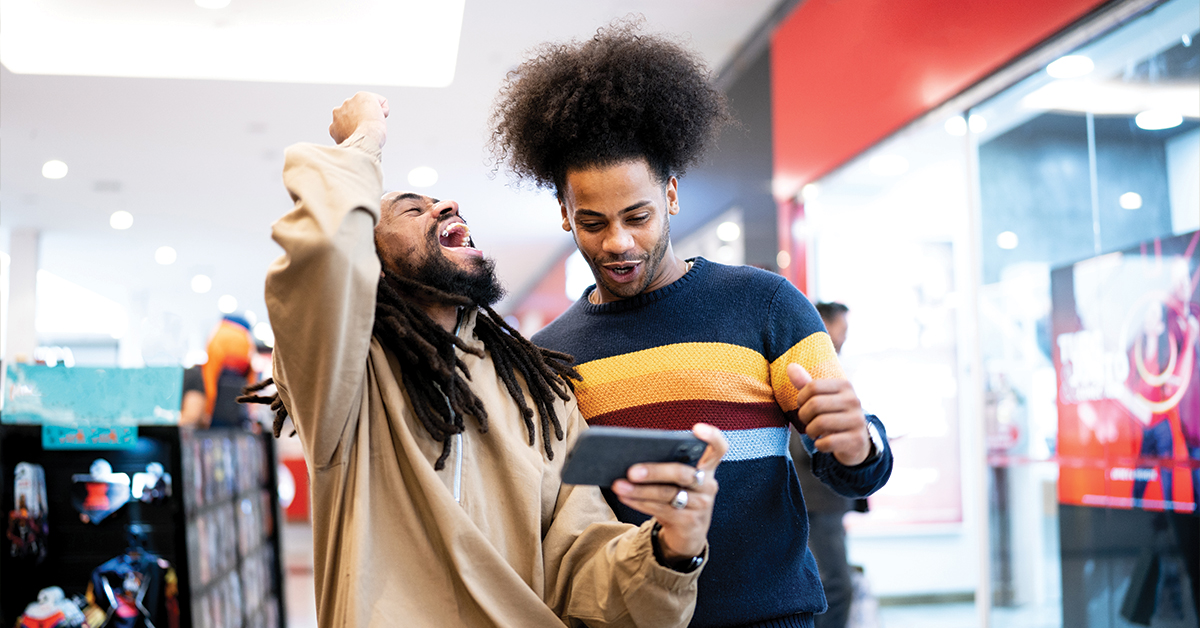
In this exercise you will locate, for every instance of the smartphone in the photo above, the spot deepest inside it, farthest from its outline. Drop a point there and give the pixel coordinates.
(603, 455)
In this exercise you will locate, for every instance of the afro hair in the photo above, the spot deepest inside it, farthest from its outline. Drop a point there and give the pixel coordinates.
(618, 96)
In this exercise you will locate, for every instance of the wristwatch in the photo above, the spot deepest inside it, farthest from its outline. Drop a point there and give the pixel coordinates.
(876, 443)
(683, 565)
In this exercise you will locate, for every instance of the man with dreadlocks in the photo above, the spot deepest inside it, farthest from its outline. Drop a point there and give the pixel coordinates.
(662, 342)
(436, 494)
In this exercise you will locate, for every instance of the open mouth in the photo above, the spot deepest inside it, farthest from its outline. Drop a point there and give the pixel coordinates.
(456, 236)
(622, 271)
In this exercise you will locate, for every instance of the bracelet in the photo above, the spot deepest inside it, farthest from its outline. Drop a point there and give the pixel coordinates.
(683, 565)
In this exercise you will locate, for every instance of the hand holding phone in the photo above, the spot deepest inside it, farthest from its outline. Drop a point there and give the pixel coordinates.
(678, 495)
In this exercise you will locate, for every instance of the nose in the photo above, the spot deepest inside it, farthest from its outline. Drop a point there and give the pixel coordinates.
(445, 209)
(618, 240)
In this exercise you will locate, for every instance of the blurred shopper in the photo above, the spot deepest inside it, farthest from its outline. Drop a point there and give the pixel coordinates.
(192, 412)
(437, 498)
(228, 371)
(827, 535)
(663, 342)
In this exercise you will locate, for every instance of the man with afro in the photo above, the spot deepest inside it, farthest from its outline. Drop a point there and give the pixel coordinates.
(610, 124)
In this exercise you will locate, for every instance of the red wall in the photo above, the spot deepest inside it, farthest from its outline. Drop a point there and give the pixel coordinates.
(847, 73)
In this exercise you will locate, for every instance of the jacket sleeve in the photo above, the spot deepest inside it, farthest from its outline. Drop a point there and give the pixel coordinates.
(795, 333)
(600, 572)
(320, 293)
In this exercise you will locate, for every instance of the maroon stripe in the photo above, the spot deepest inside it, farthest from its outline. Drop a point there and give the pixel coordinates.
(682, 415)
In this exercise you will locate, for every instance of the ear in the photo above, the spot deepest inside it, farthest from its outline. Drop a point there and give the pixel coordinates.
(566, 219)
(673, 196)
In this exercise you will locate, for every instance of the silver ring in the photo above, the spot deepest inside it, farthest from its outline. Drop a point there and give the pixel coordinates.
(698, 479)
(680, 501)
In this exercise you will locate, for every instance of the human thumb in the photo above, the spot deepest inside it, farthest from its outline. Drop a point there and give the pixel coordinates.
(800, 377)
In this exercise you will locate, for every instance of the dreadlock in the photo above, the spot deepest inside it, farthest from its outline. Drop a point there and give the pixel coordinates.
(435, 378)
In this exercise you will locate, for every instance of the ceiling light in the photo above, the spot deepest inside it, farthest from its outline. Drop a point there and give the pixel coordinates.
(227, 304)
(1070, 66)
(956, 126)
(1007, 240)
(212, 4)
(888, 165)
(1130, 200)
(422, 177)
(164, 255)
(250, 316)
(977, 123)
(725, 254)
(54, 169)
(783, 259)
(810, 192)
(121, 220)
(201, 284)
(264, 333)
(106, 39)
(1158, 119)
(1187, 40)
(728, 231)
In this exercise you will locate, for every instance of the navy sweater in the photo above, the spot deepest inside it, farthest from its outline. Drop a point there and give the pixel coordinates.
(713, 347)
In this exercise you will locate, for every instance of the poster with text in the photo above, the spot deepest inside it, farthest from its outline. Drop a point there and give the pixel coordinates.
(1126, 328)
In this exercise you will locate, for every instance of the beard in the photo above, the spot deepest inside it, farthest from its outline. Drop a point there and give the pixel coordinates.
(479, 283)
(652, 260)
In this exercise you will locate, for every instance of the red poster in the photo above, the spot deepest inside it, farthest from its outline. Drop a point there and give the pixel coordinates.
(1126, 328)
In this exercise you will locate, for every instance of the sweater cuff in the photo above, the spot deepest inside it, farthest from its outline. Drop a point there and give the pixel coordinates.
(656, 574)
(857, 481)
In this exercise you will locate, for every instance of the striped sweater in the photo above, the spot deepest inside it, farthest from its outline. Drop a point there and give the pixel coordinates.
(713, 347)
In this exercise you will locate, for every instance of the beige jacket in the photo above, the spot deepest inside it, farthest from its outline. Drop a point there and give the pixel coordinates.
(391, 544)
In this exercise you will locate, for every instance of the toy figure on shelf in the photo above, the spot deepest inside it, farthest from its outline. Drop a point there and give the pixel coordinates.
(153, 485)
(100, 493)
(53, 610)
(136, 589)
(27, 527)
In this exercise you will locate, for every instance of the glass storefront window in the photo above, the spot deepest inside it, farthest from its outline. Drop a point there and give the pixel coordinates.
(950, 242)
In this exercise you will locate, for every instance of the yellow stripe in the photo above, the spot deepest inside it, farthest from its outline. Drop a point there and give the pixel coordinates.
(696, 356)
(815, 353)
(677, 385)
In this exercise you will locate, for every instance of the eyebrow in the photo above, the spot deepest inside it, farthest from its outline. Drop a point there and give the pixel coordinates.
(637, 205)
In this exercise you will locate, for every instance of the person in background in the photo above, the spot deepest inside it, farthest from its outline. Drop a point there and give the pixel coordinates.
(827, 535)
(227, 371)
(192, 412)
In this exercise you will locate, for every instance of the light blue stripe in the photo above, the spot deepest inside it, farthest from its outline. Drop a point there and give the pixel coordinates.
(762, 442)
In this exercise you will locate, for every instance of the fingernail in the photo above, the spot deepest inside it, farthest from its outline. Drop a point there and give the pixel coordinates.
(637, 473)
(621, 486)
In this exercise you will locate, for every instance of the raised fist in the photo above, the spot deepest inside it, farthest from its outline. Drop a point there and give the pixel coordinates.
(363, 112)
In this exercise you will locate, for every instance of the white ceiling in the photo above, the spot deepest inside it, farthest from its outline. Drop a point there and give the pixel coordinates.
(197, 162)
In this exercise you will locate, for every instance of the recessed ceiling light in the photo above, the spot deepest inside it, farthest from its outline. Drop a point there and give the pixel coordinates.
(54, 169)
(888, 165)
(422, 177)
(201, 284)
(1007, 240)
(956, 126)
(164, 255)
(212, 4)
(1130, 200)
(1158, 119)
(1070, 66)
(120, 220)
(810, 192)
(728, 231)
(106, 39)
(977, 123)
(227, 304)
(783, 259)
